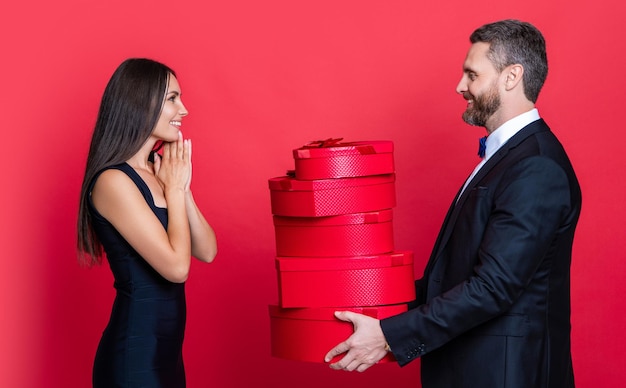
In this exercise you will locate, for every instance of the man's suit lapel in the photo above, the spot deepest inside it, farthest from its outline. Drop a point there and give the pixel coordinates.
(455, 209)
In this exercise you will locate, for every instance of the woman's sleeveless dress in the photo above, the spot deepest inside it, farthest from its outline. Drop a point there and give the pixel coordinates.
(142, 344)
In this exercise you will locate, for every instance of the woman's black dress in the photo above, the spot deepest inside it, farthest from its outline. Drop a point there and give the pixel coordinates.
(142, 344)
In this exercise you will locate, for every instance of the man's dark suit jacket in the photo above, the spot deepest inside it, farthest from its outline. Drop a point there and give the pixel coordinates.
(493, 306)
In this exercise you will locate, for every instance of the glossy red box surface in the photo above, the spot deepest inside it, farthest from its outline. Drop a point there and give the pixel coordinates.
(346, 281)
(356, 234)
(331, 197)
(341, 160)
(307, 334)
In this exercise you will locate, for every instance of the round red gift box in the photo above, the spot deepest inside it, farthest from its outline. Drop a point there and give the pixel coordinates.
(330, 197)
(342, 160)
(356, 234)
(307, 334)
(346, 281)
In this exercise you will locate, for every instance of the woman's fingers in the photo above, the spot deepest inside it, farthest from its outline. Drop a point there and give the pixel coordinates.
(177, 149)
(166, 150)
(157, 163)
(180, 146)
(175, 166)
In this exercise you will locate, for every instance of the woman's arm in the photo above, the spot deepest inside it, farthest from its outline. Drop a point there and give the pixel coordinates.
(203, 241)
(117, 199)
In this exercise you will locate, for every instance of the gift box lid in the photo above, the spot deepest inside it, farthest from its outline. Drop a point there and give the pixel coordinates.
(374, 217)
(287, 183)
(394, 259)
(328, 313)
(331, 148)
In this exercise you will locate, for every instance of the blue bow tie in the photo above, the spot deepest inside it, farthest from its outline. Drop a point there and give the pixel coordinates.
(482, 145)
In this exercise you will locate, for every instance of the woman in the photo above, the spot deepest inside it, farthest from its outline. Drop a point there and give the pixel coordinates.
(137, 207)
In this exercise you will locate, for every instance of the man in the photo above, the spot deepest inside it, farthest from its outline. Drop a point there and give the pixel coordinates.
(493, 306)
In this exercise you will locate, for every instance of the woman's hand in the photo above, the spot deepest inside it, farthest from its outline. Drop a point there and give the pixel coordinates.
(173, 169)
(188, 186)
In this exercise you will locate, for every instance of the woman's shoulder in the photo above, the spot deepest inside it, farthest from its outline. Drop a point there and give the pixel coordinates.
(114, 191)
(114, 183)
(111, 175)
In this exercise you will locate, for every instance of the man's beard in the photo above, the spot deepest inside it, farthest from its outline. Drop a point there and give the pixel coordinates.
(482, 108)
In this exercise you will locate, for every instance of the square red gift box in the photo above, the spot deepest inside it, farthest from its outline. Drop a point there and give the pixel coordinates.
(307, 334)
(346, 281)
(330, 159)
(357, 234)
(330, 197)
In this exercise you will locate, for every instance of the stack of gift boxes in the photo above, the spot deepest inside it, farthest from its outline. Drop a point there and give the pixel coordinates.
(334, 246)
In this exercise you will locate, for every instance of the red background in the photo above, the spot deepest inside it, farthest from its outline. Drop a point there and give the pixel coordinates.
(261, 78)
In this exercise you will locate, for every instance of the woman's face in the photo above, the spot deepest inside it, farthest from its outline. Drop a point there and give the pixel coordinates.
(169, 123)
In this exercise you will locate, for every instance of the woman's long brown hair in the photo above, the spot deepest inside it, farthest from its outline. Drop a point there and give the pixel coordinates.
(130, 107)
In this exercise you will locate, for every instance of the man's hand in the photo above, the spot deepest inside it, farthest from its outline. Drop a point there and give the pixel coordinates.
(364, 348)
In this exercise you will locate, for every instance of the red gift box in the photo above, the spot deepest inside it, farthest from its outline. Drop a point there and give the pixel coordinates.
(357, 234)
(331, 197)
(324, 160)
(346, 281)
(307, 334)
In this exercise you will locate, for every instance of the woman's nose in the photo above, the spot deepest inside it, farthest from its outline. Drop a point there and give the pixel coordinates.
(183, 111)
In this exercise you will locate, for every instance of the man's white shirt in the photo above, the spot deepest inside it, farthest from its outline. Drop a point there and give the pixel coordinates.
(500, 136)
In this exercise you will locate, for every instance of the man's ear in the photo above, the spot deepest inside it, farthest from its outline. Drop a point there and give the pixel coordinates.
(513, 76)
